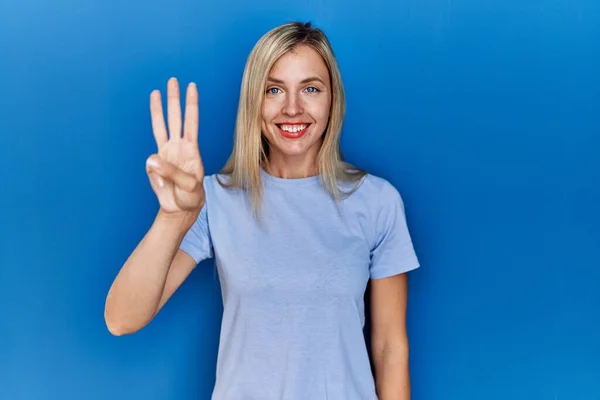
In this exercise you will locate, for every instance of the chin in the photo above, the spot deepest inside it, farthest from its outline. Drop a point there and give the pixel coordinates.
(289, 149)
(293, 152)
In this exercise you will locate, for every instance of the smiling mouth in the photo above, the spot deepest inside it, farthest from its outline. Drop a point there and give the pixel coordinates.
(292, 131)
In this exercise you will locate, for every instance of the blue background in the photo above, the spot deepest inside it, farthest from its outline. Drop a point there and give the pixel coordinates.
(484, 114)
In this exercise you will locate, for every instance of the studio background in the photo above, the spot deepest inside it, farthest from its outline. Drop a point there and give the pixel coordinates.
(485, 115)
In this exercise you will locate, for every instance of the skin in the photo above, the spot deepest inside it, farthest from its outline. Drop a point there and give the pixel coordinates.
(298, 91)
(157, 267)
(389, 340)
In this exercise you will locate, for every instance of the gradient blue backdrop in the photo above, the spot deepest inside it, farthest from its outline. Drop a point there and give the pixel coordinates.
(484, 114)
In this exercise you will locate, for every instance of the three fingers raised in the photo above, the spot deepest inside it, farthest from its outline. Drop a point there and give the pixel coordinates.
(190, 125)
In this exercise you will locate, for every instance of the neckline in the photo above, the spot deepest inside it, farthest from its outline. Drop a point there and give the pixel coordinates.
(309, 180)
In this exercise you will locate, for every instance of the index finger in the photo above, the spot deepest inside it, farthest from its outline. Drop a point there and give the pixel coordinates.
(190, 127)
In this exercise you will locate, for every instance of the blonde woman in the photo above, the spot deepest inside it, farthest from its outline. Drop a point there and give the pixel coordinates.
(296, 234)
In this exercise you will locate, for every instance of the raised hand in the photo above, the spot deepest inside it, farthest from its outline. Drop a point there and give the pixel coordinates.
(176, 171)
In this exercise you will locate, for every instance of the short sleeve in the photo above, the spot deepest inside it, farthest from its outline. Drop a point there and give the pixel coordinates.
(392, 252)
(197, 241)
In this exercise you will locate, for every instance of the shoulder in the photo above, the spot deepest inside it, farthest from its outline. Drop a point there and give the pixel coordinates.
(378, 184)
(220, 196)
(216, 183)
(378, 192)
(213, 179)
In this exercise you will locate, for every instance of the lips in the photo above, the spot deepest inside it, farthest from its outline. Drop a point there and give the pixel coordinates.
(292, 130)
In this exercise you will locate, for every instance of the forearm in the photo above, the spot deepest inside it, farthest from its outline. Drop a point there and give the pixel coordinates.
(392, 375)
(136, 292)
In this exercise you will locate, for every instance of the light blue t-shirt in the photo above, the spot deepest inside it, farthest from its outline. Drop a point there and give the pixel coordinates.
(293, 285)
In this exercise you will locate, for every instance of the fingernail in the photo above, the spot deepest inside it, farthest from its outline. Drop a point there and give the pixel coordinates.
(153, 163)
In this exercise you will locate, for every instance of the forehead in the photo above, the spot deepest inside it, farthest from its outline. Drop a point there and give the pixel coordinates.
(300, 62)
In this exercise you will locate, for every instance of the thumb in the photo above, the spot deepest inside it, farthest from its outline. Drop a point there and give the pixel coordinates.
(166, 170)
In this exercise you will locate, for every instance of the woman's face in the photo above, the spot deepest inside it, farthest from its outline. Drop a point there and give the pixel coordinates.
(296, 105)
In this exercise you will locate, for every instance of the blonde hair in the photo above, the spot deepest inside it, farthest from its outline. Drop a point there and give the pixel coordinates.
(250, 150)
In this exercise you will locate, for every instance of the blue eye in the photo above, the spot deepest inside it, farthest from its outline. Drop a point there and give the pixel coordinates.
(271, 90)
(314, 89)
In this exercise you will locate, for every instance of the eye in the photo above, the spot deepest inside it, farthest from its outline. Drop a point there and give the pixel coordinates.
(272, 90)
(312, 89)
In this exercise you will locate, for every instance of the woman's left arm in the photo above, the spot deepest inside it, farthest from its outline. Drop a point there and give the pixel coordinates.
(389, 340)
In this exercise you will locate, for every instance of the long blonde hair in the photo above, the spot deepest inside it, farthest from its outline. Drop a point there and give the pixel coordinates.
(250, 150)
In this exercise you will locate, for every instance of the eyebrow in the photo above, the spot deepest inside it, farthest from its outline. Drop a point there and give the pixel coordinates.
(307, 80)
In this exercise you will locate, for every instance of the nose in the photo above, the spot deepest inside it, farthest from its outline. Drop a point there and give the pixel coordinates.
(293, 105)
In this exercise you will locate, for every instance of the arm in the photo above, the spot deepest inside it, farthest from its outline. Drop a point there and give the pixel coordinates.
(389, 339)
(157, 267)
(150, 276)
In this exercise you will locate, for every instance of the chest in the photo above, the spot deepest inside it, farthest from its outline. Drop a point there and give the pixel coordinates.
(304, 251)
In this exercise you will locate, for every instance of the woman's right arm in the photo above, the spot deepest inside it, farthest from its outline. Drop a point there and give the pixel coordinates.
(157, 266)
(150, 276)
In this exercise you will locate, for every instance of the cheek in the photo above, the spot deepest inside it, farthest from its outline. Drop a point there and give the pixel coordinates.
(320, 111)
(268, 111)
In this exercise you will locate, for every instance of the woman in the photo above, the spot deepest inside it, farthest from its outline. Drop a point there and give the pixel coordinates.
(297, 234)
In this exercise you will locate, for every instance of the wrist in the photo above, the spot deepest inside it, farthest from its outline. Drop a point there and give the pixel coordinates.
(180, 221)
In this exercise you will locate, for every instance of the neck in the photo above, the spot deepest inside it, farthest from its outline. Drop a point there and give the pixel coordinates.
(290, 167)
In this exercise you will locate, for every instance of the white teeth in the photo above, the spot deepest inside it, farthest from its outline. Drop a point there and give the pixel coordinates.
(293, 128)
